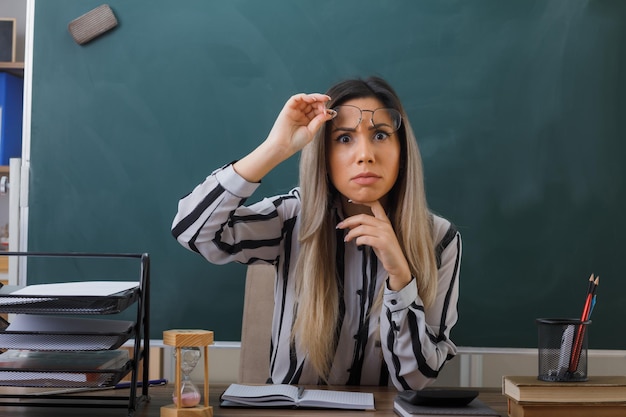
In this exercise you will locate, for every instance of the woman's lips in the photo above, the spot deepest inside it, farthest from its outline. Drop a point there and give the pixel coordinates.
(366, 178)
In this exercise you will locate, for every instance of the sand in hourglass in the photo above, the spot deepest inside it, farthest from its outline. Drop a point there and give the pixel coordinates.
(190, 397)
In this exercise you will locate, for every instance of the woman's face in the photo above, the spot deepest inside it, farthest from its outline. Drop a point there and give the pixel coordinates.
(363, 150)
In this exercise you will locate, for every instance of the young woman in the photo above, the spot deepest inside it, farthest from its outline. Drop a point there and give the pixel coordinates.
(366, 277)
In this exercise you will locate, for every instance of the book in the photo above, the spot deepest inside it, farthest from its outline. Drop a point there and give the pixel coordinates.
(597, 389)
(474, 408)
(517, 409)
(283, 395)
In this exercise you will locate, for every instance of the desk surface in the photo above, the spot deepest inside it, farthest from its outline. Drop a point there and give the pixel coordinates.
(161, 395)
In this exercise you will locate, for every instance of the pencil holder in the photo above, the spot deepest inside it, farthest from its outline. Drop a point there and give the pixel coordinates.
(562, 349)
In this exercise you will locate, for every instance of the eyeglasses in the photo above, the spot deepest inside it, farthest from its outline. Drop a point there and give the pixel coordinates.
(349, 117)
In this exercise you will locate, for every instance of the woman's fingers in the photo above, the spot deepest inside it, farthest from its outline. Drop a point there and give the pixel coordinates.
(376, 231)
(368, 227)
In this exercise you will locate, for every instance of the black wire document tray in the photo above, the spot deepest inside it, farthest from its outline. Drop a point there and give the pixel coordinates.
(53, 340)
(14, 299)
(40, 332)
(63, 369)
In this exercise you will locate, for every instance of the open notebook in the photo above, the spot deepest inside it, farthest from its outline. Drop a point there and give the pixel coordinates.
(282, 395)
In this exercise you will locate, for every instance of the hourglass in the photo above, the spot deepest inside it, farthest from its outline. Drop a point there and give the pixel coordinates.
(188, 393)
(186, 396)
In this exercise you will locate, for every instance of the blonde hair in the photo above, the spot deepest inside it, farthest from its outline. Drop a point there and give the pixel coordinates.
(316, 276)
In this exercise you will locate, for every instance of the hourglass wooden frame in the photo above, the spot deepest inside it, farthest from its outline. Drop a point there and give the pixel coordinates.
(189, 338)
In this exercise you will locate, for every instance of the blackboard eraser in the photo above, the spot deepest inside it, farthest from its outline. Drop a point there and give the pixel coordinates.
(92, 24)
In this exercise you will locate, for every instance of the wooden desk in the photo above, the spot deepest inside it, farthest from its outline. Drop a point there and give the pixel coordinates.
(161, 395)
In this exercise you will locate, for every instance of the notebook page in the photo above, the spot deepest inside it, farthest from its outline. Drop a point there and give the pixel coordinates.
(337, 399)
(261, 394)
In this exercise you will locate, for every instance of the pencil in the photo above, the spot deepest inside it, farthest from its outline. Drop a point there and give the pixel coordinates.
(578, 339)
(591, 282)
(593, 299)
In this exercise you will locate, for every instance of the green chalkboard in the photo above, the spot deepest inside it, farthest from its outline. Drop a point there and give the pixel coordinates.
(518, 107)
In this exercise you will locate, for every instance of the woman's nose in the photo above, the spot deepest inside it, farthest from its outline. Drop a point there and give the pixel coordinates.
(365, 150)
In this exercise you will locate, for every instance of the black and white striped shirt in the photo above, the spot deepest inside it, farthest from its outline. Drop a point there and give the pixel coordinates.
(402, 343)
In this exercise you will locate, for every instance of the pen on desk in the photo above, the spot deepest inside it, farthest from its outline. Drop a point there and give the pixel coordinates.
(120, 385)
(300, 392)
(71, 391)
(151, 382)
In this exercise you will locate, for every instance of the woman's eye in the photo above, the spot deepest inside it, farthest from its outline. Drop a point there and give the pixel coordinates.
(381, 136)
(343, 139)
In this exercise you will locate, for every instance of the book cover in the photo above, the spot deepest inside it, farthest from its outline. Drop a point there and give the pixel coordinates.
(517, 409)
(474, 408)
(597, 389)
(283, 395)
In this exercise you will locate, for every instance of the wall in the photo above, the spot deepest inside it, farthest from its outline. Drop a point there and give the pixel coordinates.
(16, 9)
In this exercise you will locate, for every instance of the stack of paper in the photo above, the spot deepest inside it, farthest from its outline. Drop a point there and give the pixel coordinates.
(39, 332)
(32, 368)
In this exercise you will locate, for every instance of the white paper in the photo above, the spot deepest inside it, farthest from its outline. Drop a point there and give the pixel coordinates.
(55, 366)
(81, 288)
(111, 331)
(7, 301)
(338, 399)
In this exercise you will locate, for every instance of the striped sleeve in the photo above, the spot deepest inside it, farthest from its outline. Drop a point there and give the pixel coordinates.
(416, 341)
(212, 220)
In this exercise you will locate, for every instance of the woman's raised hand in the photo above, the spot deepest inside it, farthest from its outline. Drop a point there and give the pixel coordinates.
(296, 125)
(298, 122)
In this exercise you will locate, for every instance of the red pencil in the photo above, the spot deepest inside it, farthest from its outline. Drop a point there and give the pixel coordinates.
(578, 340)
